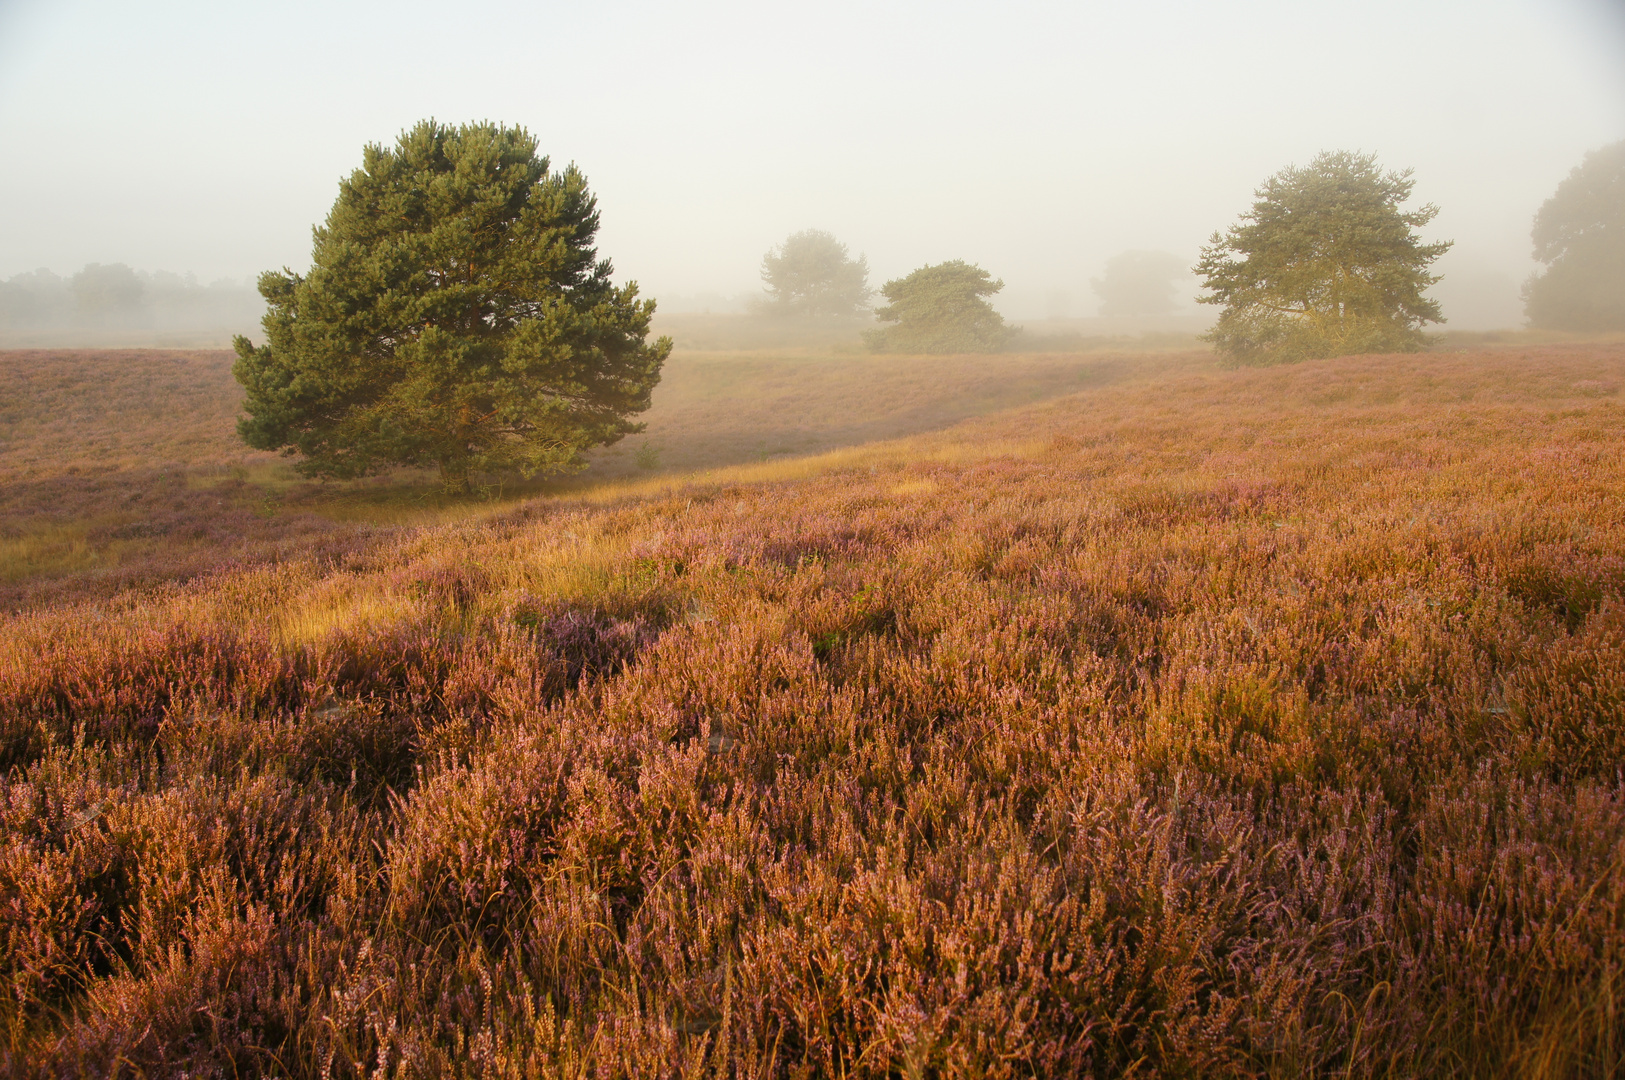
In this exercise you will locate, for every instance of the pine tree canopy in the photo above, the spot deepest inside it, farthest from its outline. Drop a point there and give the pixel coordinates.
(1579, 234)
(941, 309)
(456, 314)
(1325, 264)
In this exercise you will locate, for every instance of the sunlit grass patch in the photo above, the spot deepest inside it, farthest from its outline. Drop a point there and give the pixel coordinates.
(49, 549)
(922, 486)
(342, 607)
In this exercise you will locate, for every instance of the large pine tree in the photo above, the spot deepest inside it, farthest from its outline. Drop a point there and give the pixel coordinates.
(456, 315)
(1325, 264)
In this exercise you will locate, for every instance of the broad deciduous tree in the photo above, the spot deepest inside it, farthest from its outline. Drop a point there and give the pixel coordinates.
(1139, 284)
(106, 292)
(456, 314)
(1579, 234)
(941, 309)
(811, 275)
(1325, 264)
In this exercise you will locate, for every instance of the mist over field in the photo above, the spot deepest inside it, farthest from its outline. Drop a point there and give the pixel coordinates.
(185, 139)
(116, 305)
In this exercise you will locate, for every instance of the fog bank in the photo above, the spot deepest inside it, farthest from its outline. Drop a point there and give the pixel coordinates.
(114, 305)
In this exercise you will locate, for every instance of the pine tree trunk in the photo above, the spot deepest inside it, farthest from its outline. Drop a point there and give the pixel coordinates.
(454, 477)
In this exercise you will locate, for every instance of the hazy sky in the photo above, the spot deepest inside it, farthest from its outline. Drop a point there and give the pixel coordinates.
(1036, 139)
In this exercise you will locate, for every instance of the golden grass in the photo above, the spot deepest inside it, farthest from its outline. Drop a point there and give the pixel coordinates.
(59, 549)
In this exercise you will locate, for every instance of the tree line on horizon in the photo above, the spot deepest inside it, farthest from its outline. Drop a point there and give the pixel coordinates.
(113, 296)
(457, 314)
(389, 352)
(1327, 262)
(943, 308)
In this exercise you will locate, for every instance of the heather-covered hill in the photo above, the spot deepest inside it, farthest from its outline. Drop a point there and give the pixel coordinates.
(121, 469)
(1204, 723)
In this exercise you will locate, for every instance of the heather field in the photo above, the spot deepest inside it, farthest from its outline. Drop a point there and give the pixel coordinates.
(122, 470)
(1037, 716)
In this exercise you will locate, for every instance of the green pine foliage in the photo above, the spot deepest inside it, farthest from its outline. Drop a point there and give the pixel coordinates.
(1579, 234)
(941, 309)
(456, 315)
(1325, 264)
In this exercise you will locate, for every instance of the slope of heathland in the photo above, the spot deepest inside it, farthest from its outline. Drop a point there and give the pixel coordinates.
(122, 469)
(1199, 723)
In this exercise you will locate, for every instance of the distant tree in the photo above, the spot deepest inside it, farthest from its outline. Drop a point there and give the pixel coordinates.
(1579, 234)
(811, 275)
(39, 298)
(940, 309)
(107, 292)
(1325, 264)
(456, 315)
(1139, 284)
